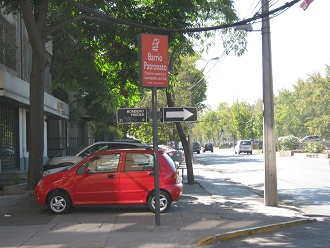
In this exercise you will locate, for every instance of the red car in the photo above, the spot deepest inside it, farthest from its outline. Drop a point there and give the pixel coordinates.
(121, 176)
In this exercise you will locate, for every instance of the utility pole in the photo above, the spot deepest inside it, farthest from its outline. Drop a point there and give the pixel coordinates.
(270, 191)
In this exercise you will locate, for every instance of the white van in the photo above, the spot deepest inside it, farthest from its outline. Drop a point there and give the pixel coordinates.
(244, 146)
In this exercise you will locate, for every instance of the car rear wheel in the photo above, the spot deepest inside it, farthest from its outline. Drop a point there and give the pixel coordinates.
(59, 203)
(164, 204)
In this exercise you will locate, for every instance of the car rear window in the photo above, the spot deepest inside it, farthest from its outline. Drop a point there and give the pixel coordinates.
(169, 161)
(245, 142)
(139, 161)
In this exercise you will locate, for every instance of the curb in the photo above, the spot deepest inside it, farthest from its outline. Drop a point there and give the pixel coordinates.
(251, 231)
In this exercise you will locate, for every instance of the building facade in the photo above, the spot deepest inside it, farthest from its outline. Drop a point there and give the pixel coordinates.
(15, 68)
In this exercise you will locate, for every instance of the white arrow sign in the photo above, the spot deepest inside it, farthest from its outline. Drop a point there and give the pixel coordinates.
(185, 114)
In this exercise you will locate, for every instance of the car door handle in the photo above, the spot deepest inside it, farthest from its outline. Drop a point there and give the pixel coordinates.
(151, 173)
(112, 176)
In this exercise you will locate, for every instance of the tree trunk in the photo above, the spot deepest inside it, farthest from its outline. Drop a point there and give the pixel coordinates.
(36, 26)
(36, 132)
(185, 144)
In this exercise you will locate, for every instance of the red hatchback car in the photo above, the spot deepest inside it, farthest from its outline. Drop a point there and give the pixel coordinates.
(121, 176)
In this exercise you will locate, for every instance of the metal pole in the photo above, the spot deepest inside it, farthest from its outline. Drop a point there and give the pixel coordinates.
(270, 191)
(155, 147)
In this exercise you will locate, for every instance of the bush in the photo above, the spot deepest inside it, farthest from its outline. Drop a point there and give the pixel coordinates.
(287, 143)
(313, 147)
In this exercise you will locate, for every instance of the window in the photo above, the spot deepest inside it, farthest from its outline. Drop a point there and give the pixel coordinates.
(9, 136)
(99, 164)
(7, 44)
(139, 161)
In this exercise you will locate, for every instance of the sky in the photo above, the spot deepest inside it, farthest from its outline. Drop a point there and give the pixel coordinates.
(300, 46)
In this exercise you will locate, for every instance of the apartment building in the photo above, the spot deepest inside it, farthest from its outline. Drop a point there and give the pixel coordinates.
(15, 68)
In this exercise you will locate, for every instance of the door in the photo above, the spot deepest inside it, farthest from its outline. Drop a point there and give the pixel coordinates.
(100, 184)
(137, 179)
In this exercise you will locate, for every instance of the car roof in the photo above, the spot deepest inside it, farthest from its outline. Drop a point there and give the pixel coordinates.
(137, 149)
(114, 143)
(118, 142)
(137, 144)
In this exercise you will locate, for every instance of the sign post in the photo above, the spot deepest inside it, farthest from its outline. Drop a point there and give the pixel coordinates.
(153, 72)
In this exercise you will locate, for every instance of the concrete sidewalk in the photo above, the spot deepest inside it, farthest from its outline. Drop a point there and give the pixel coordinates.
(209, 211)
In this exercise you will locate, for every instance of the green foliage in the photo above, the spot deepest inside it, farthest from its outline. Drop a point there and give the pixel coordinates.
(241, 115)
(186, 78)
(313, 147)
(287, 143)
(98, 60)
(238, 121)
(304, 111)
(287, 116)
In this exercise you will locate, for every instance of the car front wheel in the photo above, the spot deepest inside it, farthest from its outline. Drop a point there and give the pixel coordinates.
(59, 203)
(164, 203)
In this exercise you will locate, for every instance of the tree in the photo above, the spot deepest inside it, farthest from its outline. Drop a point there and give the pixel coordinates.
(303, 111)
(313, 99)
(35, 18)
(240, 114)
(45, 17)
(287, 115)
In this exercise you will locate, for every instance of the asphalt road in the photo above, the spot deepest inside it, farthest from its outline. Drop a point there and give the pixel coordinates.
(302, 182)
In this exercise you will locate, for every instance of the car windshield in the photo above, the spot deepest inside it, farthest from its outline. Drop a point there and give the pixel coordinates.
(245, 142)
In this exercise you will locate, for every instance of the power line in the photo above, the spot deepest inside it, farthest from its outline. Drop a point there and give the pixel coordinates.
(227, 52)
(99, 15)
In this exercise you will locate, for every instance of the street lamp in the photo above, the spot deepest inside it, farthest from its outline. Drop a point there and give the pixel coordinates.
(244, 27)
(215, 58)
(192, 86)
(190, 136)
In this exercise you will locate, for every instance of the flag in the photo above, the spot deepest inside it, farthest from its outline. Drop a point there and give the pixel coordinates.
(304, 5)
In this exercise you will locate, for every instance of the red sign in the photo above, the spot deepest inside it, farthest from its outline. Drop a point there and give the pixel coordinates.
(153, 60)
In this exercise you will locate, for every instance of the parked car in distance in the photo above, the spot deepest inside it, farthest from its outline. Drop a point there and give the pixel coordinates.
(310, 138)
(57, 163)
(244, 146)
(175, 155)
(114, 176)
(196, 147)
(208, 147)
